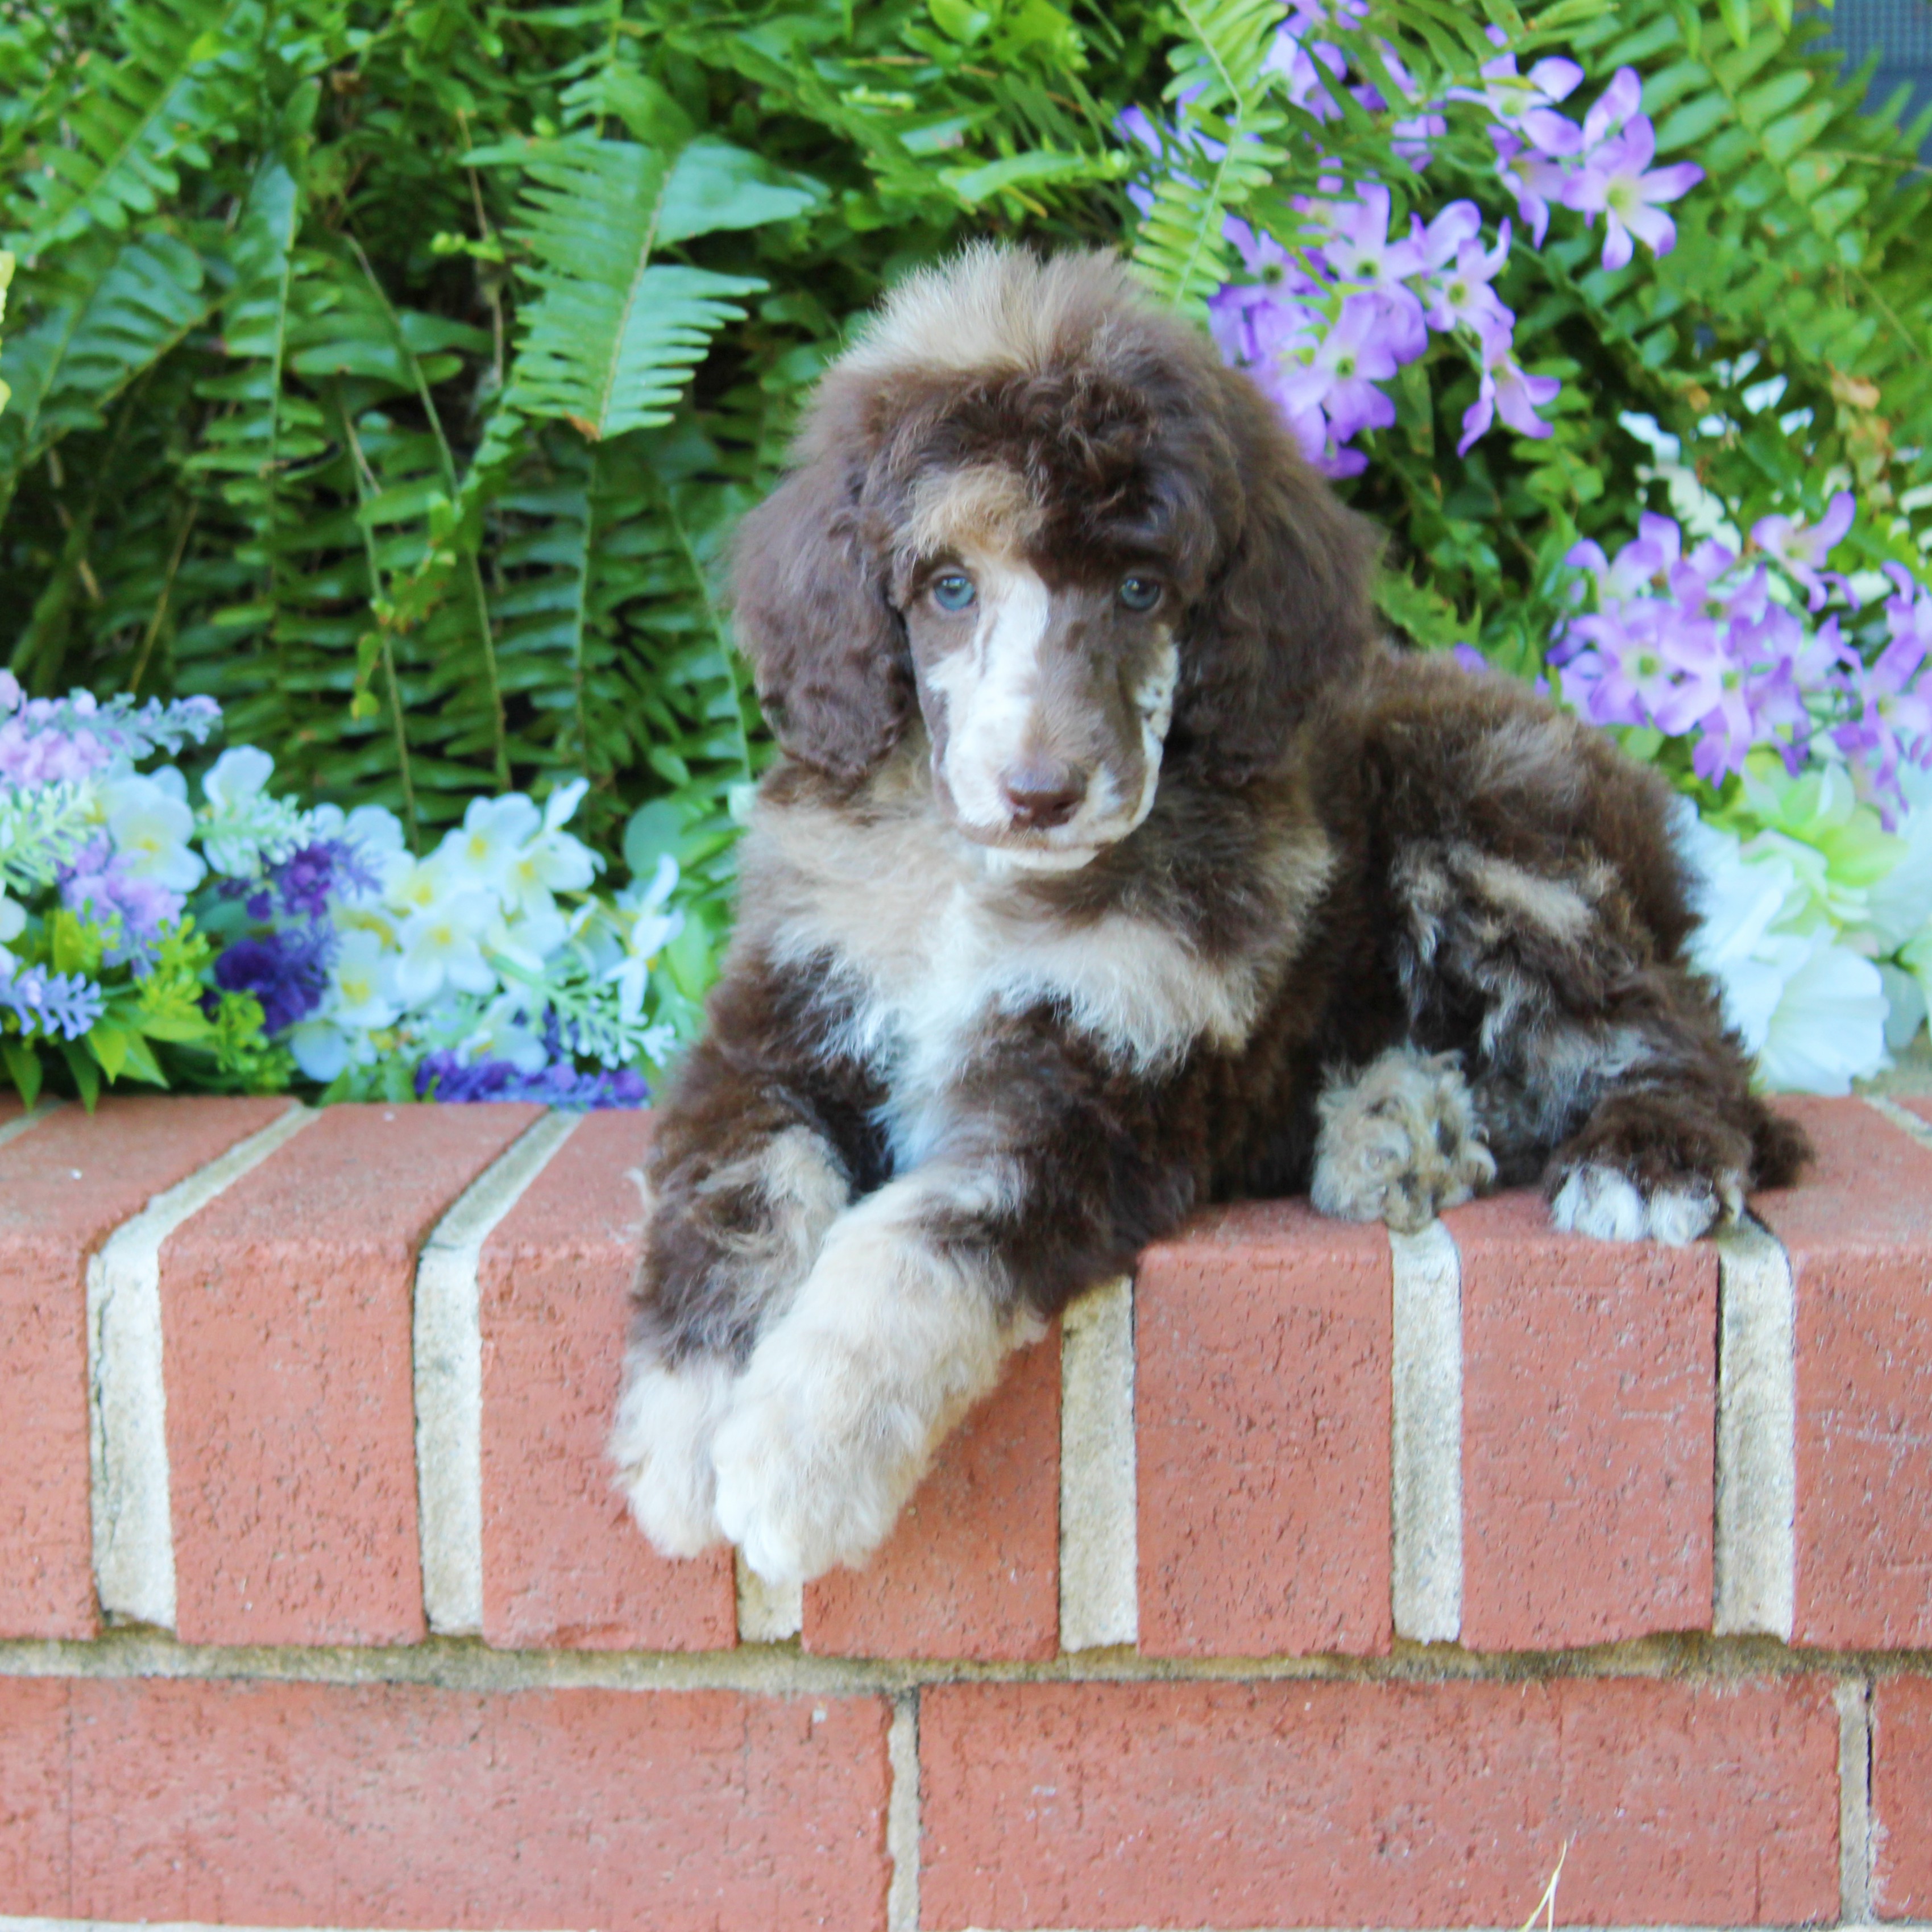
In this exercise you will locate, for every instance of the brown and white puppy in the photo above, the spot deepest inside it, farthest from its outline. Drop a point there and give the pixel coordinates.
(1114, 866)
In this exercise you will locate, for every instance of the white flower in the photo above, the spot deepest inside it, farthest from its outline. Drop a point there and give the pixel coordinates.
(242, 827)
(1829, 1027)
(375, 835)
(321, 1050)
(235, 780)
(416, 885)
(484, 851)
(443, 946)
(150, 828)
(362, 982)
(652, 928)
(552, 861)
(502, 1034)
(13, 922)
(1810, 1008)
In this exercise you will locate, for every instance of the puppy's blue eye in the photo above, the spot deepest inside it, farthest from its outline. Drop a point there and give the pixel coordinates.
(1139, 593)
(953, 591)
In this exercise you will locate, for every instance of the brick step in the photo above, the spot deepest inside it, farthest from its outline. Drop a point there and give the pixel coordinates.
(1315, 1577)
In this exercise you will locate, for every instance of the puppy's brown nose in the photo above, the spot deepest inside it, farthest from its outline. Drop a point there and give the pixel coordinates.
(1042, 793)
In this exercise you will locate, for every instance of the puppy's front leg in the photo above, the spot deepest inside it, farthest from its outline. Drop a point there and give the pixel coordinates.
(758, 1149)
(901, 1325)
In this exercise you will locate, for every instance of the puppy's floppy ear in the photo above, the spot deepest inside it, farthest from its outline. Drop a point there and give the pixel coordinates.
(1288, 610)
(834, 672)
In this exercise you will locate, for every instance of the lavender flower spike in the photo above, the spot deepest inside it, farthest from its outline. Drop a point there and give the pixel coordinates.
(61, 1006)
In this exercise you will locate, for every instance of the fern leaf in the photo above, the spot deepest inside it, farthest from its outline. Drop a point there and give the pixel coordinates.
(140, 119)
(1224, 130)
(119, 315)
(615, 333)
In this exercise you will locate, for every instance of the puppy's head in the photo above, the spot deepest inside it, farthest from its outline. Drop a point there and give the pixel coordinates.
(1043, 513)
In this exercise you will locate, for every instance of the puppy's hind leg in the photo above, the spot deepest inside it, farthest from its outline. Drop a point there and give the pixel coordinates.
(1671, 1158)
(1399, 1141)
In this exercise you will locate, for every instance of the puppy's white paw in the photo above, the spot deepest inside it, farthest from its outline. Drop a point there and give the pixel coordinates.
(816, 1458)
(1609, 1205)
(662, 1446)
(1400, 1142)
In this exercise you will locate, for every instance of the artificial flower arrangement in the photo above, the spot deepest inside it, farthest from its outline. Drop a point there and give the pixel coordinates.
(215, 935)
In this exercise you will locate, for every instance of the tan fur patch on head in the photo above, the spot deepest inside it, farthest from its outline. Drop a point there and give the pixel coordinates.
(994, 308)
(986, 509)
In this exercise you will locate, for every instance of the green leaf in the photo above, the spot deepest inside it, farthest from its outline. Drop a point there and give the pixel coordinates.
(615, 333)
(86, 1075)
(23, 1066)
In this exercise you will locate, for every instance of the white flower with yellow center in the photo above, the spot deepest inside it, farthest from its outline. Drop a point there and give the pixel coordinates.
(441, 945)
(150, 828)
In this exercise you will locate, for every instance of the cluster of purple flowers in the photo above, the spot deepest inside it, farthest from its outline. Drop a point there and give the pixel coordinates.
(446, 1075)
(63, 740)
(131, 908)
(1717, 647)
(1321, 329)
(1602, 167)
(1322, 323)
(284, 961)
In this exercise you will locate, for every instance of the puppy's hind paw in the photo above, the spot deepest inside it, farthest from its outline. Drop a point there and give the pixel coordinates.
(1400, 1142)
(1609, 1205)
(661, 1445)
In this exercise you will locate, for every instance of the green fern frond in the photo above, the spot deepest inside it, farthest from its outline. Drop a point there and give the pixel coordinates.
(137, 122)
(1225, 133)
(615, 333)
(120, 311)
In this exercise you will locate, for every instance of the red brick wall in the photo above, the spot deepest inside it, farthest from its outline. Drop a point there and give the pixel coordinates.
(1671, 1513)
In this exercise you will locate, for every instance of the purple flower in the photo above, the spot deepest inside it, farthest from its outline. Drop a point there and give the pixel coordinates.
(1801, 548)
(1649, 556)
(134, 910)
(1614, 107)
(445, 1076)
(1506, 390)
(1527, 101)
(1612, 180)
(287, 971)
(53, 1005)
(1459, 294)
(1535, 181)
(1711, 699)
(1339, 377)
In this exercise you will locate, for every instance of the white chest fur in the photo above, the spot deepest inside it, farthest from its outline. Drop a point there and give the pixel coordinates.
(934, 941)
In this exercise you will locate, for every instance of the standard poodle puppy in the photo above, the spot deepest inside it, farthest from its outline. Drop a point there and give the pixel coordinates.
(1114, 866)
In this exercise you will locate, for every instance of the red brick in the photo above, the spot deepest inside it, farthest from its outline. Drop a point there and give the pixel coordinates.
(1859, 1230)
(286, 1308)
(1589, 1375)
(1261, 1401)
(65, 1185)
(1901, 1797)
(563, 1564)
(973, 1569)
(1229, 1804)
(285, 1804)
(33, 1795)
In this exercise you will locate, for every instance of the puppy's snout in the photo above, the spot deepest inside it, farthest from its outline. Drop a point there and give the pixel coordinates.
(1042, 793)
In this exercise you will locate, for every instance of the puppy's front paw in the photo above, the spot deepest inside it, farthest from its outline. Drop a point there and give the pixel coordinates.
(662, 1447)
(1400, 1142)
(815, 1459)
(1605, 1202)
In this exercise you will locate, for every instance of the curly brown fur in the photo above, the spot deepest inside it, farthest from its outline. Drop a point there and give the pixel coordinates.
(1114, 867)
